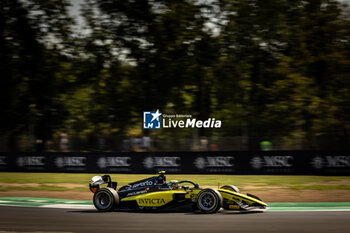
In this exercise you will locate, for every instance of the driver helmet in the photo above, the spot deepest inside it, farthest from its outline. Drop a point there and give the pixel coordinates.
(174, 184)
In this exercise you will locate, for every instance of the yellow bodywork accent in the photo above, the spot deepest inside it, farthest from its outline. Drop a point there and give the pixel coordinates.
(237, 197)
(160, 198)
(156, 199)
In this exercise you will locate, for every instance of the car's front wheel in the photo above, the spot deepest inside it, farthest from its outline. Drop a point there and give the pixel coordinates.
(106, 199)
(209, 201)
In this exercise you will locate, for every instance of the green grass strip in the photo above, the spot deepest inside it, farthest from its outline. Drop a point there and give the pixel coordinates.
(273, 206)
(287, 182)
(30, 201)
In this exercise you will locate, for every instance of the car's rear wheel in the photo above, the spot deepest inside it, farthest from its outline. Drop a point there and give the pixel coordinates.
(106, 199)
(209, 201)
(230, 187)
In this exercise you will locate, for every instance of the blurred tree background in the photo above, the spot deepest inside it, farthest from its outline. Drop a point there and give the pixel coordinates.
(276, 70)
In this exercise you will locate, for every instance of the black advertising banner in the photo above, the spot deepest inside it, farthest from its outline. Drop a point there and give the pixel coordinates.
(330, 163)
(224, 162)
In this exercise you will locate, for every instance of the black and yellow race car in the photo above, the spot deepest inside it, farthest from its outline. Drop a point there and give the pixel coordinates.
(155, 194)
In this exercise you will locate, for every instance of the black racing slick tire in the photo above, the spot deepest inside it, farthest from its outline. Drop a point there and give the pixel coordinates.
(230, 187)
(209, 201)
(106, 199)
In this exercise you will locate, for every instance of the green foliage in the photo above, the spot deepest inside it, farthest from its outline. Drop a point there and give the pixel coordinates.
(274, 69)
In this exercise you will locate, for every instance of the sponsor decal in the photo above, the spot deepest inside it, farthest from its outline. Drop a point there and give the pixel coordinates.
(3, 161)
(32, 161)
(319, 162)
(148, 201)
(164, 161)
(215, 164)
(143, 184)
(259, 162)
(70, 161)
(214, 161)
(136, 193)
(234, 207)
(106, 162)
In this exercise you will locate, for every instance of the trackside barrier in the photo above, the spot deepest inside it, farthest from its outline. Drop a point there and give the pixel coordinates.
(225, 162)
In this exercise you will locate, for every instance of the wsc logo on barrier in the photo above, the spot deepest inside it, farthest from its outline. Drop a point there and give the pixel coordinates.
(151, 120)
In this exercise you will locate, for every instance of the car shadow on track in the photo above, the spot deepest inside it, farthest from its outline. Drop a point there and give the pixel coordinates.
(226, 213)
(133, 212)
(85, 211)
(165, 212)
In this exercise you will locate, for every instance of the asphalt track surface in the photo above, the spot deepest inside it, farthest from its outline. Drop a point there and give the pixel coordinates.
(29, 219)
